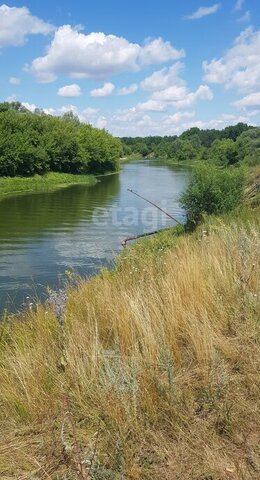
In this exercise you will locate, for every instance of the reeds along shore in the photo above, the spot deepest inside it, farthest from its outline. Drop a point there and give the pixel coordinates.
(151, 371)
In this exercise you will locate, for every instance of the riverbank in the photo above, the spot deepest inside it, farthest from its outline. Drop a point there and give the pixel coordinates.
(128, 158)
(146, 372)
(42, 183)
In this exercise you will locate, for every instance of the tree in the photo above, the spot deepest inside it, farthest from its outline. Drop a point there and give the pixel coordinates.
(223, 152)
(248, 146)
(33, 143)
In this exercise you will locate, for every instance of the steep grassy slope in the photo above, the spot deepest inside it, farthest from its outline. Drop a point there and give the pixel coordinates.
(149, 372)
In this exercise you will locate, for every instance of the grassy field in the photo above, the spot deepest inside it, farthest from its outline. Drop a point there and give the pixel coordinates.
(148, 372)
(41, 183)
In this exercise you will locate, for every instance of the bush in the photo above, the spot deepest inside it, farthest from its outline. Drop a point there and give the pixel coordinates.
(212, 191)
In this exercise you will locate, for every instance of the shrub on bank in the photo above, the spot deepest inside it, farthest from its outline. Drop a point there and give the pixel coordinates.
(212, 191)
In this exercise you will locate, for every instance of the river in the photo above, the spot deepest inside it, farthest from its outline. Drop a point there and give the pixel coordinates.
(79, 228)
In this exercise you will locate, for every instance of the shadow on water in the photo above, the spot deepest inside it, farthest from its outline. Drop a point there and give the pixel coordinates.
(29, 225)
(78, 228)
(29, 215)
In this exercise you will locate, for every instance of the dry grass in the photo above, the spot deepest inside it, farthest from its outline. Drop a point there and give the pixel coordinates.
(154, 375)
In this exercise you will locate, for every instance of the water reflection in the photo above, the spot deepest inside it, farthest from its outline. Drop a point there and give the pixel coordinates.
(78, 228)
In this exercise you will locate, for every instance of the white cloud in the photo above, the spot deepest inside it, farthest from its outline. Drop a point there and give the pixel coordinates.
(97, 55)
(128, 90)
(249, 101)
(177, 117)
(73, 90)
(169, 89)
(158, 51)
(30, 106)
(240, 67)
(11, 98)
(14, 81)
(203, 12)
(90, 112)
(133, 123)
(101, 122)
(238, 5)
(219, 123)
(150, 106)
(163, 78)
(87, 115)
(170, 94)
(17, 23)
(180, 97)
(245, 18)
(104, 91)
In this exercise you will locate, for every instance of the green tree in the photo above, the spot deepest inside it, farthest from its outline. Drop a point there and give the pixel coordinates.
(223, 152)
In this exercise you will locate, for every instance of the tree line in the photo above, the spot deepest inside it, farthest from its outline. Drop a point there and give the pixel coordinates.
(233, 144)
(36, 143)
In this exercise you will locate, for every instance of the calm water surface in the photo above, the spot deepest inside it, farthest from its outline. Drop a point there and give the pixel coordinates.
(79, 228)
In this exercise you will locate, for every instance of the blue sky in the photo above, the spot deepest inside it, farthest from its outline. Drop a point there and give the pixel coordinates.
(134, 68)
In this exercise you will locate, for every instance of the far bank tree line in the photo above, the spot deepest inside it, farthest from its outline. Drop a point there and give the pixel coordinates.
(36, 143)
(233, 144)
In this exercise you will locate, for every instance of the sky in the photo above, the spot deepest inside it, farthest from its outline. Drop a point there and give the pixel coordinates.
(135, 68)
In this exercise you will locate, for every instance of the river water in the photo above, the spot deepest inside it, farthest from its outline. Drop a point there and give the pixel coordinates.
(79, 228)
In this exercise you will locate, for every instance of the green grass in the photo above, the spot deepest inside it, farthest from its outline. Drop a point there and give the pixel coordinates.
(38, 183)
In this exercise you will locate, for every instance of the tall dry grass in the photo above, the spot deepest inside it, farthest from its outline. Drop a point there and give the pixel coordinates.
(153, 375)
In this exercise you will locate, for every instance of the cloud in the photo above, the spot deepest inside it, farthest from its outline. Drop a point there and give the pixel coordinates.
(90, 112)
(30, 106)
(137, 123)
(128, 90)
(169, 89)
(239, 68)
(87, 115)
(170, 94)
(11, 98)
(158, 51)
(245, 18)
(96, 55)
(163, 78)
(17, 23)
(104, 91)
(101, 122)
(73, 90)
(249, 101)
(177, 117)
(150, 106)
(203, 12)
(238, 5)
(180, 97)
(77, 55)
(14, 81)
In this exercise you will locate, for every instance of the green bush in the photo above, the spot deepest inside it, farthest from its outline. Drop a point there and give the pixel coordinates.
(212, 191)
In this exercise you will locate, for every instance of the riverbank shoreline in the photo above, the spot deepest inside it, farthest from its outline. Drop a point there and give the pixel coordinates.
(12, 186)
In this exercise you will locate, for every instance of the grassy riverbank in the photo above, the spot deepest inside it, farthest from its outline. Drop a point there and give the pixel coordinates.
(151, 372)
(42, 183)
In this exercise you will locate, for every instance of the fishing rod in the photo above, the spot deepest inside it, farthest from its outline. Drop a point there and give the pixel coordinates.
(154, 205)
(124, 243)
